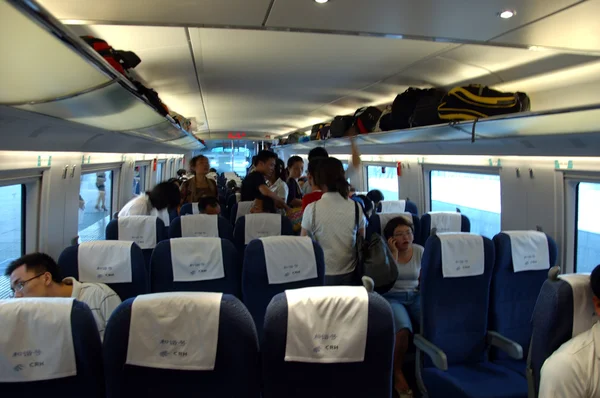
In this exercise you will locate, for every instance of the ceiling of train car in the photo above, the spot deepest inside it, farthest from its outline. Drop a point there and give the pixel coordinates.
(217, 60)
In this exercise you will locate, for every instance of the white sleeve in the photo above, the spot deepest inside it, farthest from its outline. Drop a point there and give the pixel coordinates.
(362, 220)
(138, 208)
(307, 217)
(560, 379)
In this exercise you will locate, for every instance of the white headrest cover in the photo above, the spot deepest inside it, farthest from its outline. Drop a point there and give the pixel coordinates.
(261, 226)
(196, 259)
(327, 324)
(243, 209)
(393, 206)
(385, 218)
(104, 261)
(584, 314)
(289, 259)
(195, 208)
(140, 229)
(445, 221)
(462, 255)
(200, 226)
(36, 342)
(529, 250)
(174, 330)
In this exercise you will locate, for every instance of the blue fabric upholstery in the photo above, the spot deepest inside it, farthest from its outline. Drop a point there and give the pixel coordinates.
(256, 290)
(552, 323)
(88, 382)
(186, 209)
(480, 380)
(162, 272)
(172, 215)
(375, 226)
(230, 202)
(239, 233)
(140, 280)
(455, 319)
(465, 226)
(371, 378)
(512, 298)
(233, 213)
(112, 233)
(225, 229)
(236, 372)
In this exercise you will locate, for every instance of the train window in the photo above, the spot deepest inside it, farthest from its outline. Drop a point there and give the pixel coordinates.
(95, 205)
(587, 254)
(12, 210)
(159, 172)
(384, 179)
(476, 195)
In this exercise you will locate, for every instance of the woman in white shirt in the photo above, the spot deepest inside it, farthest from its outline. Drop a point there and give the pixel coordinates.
(331, 222)
(278, 179)
(404, 296)
(163, 196)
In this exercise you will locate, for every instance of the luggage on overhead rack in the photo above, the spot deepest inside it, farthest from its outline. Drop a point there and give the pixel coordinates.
(314, 131)
(366, 118)
(294, 138)
(118, 59)
(403, 107)
(477, 101)
(152, 97)
(324, 132)
(386, 111)
(340, 125)
(426, 108)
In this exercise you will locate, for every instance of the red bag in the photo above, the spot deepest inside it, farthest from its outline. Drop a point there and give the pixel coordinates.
(120, 60)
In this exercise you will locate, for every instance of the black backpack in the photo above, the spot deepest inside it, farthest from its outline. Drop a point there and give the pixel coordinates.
(404, 106)
(366, 118)
(426, 108)
(340, 125)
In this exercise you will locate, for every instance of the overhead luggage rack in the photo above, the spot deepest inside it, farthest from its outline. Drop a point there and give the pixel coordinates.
(576, 120)
(49, 70)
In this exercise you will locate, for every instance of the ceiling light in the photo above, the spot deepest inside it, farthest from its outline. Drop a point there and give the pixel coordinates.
(321, 1)
(506, 14)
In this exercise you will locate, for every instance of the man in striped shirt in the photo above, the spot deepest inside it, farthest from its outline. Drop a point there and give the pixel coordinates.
(38, 275)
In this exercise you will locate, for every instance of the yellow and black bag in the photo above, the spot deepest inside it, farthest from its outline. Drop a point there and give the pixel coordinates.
(476, 102)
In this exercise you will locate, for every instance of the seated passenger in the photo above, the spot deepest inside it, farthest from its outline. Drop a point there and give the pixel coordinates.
(367, 206)
(209, 205)
(263, 204)
(154, 203)
(295, 167)
(573, 371)
(331, 222)
(377, 197)
(38, 275)
(255, 184)
(315, 192)
(404, 296)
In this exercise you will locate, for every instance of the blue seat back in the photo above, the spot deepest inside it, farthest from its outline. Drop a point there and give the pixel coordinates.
(454, 311)
(465, 226)
(233, 216)
(257, 291)
(187, 208)
(237, 366)
(371, 378)
(225, 229)
(410, 207)
(554, 319)
(513, 294)
(140, 280)
(376, 227)
(89, 380)
(162, 272)
(112, 233)
(239, 232)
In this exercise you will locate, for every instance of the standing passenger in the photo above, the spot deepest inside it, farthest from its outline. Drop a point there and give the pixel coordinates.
(277, 180)
(255, 185)
(315, 153)
(200, 185)
(404, 296)
(315, 191)
(295, 167)
(331, 222)
(100, 184)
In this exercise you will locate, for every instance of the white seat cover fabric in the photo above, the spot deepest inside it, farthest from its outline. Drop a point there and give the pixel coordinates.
(445, 221)
(36, 342)
(200, 226)
(529, 250)
(327, 324)
(584, 314)
(196, 259)
(261, 226)
(385, 218)
(140, 229)
(195, 208)
(104, 261)
(393, 206)
(174, 330)
(243, 209)
(289, 259)
(462, 255)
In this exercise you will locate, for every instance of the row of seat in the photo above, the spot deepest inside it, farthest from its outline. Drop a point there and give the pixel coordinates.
(205, 343)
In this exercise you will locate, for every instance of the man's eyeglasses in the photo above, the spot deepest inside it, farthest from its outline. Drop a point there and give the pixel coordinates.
(19, 286)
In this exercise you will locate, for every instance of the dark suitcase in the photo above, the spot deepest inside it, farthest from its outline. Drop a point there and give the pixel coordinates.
(366, 118)
(340, 125)
(386, 123)
(152, 97)
(294, 138)
(426, 108)
(404, 107)
(476, 101)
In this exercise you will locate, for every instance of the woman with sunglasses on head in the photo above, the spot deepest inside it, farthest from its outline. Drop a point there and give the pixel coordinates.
(404, 296)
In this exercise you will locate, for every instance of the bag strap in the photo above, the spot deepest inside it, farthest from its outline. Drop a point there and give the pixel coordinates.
(314, 225)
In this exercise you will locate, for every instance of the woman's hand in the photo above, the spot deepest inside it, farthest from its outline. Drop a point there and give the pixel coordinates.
(391, 242)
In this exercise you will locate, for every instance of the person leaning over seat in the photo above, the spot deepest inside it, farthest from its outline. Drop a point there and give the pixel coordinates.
(38, 275)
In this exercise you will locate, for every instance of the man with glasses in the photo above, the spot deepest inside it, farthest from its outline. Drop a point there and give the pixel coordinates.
(38, 275)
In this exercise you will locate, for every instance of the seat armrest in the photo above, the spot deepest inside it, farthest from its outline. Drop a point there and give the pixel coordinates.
(512, 348)
(439, 358)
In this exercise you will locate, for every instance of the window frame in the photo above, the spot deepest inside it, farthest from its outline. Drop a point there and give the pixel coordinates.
(365, 170)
